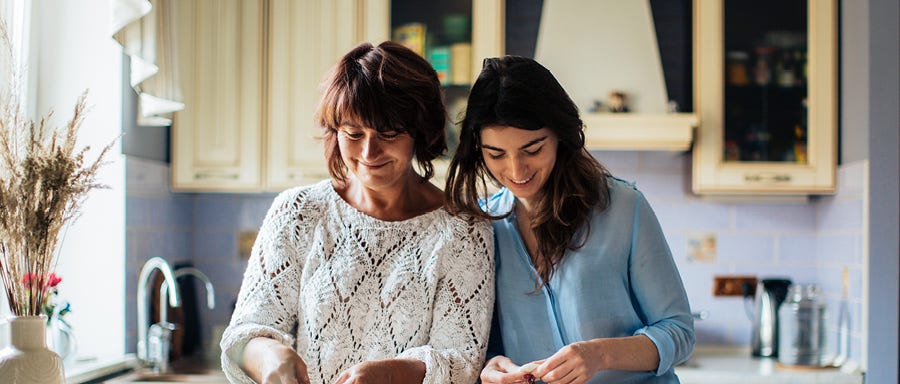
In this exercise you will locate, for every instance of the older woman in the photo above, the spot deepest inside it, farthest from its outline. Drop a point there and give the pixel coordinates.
(366, 278)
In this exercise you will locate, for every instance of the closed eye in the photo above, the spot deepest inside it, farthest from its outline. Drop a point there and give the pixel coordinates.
(389, 135)
(353, 135)
(534, 151)
(497, 155)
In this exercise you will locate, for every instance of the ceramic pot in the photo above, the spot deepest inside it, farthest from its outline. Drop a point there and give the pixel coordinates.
(27, 360)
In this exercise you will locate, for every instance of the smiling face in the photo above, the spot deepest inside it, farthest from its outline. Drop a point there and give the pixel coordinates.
(377, 159)
(520, 159)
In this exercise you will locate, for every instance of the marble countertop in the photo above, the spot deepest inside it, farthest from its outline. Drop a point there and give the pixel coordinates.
(735, 365)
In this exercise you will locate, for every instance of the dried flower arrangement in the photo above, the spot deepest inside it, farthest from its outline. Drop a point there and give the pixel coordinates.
(43, 183)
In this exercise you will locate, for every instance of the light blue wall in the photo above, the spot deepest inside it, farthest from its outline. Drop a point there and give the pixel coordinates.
(870, 99)
(808, 241)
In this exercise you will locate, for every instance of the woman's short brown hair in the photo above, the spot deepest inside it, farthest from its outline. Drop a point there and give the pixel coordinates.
(388, 88)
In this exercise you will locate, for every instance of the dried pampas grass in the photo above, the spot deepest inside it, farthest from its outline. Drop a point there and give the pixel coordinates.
(43, 183)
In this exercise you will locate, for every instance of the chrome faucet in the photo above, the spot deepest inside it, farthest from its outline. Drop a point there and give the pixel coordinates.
(142, 302)
(186, 271)
(160, 335)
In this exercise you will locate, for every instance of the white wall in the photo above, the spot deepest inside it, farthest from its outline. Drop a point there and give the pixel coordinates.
(75, 52)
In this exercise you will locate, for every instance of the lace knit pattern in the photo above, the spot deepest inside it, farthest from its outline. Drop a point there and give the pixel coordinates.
(342, 287)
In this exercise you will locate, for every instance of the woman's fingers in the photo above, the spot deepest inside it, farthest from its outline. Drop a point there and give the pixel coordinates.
(502, 370)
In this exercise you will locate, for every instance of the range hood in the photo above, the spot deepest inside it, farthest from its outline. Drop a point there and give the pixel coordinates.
(635, 131)
(602, 46)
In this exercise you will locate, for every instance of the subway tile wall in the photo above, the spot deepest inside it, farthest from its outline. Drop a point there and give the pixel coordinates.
(807, 240)
(157, 223)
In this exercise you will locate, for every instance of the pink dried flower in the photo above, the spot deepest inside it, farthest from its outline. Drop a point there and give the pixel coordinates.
(53, 280)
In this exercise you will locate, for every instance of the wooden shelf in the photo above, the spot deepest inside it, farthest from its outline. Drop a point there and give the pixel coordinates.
(632, 131)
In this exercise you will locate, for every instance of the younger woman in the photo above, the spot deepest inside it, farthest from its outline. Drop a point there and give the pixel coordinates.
(586, 286)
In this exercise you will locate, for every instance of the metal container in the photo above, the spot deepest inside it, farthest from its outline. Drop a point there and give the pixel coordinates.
(770, 293)
(802, 335)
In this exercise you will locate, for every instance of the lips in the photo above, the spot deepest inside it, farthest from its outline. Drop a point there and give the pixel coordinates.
(377, 165)
(522, 182)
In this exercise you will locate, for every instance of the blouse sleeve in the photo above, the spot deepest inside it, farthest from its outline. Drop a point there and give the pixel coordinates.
(270, 288)
(659, 291)
(462, 310)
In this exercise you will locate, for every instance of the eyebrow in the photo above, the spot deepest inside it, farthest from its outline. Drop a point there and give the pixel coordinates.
(528, 144)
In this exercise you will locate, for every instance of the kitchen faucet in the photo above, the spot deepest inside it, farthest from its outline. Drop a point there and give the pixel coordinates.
(142, 302)
(185, 271)
(160, 334)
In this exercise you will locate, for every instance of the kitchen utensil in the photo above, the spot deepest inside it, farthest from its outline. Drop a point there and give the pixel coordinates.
(802, 337)
(843, 325)
(770, 293)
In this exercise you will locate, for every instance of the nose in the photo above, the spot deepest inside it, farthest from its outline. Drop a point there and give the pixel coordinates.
(371, 147)
(519, 168)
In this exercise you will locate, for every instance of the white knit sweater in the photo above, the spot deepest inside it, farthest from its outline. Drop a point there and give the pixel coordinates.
(342, 287)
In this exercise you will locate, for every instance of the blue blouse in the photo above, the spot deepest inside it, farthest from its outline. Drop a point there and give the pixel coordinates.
(622, 282)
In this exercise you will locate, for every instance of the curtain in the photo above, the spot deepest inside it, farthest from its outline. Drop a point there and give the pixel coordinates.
(146, 31)
(15, 16)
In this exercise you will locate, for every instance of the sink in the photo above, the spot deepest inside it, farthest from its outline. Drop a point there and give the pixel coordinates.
(191, 370)
(150, 378)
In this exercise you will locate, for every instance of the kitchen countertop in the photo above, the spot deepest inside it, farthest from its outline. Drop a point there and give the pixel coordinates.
(719, 365)
(126, 369)
(85, 371)
(724, 365)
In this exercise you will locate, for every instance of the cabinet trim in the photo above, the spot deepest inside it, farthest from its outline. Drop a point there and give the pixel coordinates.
(712, 175)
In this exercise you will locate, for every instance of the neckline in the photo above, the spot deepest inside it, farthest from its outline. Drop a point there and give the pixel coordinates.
(360, 214)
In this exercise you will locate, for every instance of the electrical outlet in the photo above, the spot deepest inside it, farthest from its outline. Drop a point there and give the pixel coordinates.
(734, 285)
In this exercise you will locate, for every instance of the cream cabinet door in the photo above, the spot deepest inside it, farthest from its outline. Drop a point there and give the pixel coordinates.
(216, 139)
(749, 79)
(306, 38)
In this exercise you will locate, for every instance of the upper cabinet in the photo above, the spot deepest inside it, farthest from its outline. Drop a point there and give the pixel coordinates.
(217, 138)
(454, 36)
(255, 69)
(766, 94)
(306, 38)
(252, 71)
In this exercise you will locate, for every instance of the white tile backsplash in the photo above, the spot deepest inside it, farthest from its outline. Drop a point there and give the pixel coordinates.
(806, 240)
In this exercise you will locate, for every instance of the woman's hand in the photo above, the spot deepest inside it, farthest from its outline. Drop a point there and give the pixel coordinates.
(575, 363)
(384, 371)
(502, 370)
(267, 361)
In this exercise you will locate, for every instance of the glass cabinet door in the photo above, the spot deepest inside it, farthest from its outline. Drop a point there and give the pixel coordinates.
(766, 94)
(454, 36)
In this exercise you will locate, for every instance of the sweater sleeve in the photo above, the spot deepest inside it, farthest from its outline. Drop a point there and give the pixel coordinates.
(463, 305)
(270, 288)
(659, 291)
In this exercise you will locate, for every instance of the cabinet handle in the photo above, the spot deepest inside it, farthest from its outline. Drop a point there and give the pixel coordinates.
(205, 175)
(767, 178)
(309, 175)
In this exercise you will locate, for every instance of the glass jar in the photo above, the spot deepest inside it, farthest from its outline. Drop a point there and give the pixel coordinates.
(801, 318)
(736, 68)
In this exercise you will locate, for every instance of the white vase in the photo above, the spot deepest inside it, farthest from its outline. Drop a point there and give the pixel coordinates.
(27, 360)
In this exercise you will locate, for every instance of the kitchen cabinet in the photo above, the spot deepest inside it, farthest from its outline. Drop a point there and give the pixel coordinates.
(305, 39)
(217, 138)
(255, 70)
(455, 37)
(766, 95)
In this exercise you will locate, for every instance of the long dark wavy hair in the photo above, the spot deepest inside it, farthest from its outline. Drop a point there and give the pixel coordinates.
(388, 88)
(519, 92)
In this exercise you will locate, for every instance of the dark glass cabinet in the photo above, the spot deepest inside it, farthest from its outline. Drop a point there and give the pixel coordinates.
(766, 93)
